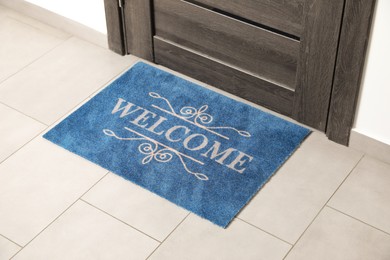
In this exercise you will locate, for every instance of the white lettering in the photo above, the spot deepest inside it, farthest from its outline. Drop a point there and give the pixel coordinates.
(240, 160)
(172, 129)
(230, 157)
(200, 146)
(143, 117)
(125, 109)
(156, 124)
(215, 152)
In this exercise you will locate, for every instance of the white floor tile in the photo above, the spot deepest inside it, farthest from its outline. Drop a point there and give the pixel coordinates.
(336, 236)
(45, 73)
(16, 130)
(21, 44)
(37, 184)
(136, 206)
(7, 248)
(54, 84)
(366, 194)
(3, 12)
(370, 146)
(294, 196)
(84, 232)
(10, 13)
(196, 238)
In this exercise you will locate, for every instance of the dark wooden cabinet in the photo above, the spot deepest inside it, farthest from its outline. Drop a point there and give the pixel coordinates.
(280, 54)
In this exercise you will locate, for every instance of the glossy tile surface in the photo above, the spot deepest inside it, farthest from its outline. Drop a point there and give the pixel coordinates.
(16, 129)
(197, 238)
(136, 206)
(294, 196)
(7, 248)
(61, 79)
(365, 195)
(21, 44)
(326, 202)
(37, 184)
(84, 232)
(336, 236)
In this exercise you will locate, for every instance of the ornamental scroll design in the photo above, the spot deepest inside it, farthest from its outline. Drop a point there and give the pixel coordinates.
(155, 151)
(196, 116)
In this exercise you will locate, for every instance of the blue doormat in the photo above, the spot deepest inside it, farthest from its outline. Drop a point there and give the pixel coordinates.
(199, 149)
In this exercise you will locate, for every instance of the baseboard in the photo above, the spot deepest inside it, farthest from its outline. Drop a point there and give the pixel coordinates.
(370, 146)
(57, 21)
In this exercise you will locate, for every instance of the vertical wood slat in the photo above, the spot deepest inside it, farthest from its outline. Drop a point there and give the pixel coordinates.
(138, 20)
(317, 60)
(349, 66)
(114, 26)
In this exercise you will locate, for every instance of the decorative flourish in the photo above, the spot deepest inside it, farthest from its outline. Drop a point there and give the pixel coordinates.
(111, 133)
(163, 155)
(197, 114)
(153, 150)
(198, 117)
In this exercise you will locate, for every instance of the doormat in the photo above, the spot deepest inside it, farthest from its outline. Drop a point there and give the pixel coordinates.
(192, 146)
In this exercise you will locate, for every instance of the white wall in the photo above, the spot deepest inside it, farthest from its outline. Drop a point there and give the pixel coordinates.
(373, 114)
(87, 12)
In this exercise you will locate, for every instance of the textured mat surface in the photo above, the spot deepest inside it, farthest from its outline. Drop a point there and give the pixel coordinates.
(195, 147)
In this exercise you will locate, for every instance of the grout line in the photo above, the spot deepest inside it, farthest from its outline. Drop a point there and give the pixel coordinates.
(91, 42)
(17, 110)
(10, 240)
(325, 204)
(29, 141)
(127, 67)
(18, 16)
(90, 96)
(44, 54)
(16, 253)
(61, 213)
(354, 167)
(14, 16)
(265, 231)
(93, 93)
(33, 61)
(167, 237)
(81, 199)
(48, 126)
(361, 221)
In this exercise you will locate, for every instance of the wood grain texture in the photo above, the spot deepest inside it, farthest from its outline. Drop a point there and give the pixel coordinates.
(139, 34)
(222, 76)
(350, 62)
(114, 26)
(258, 51)
(319, 43)
(235, 62)
(280, 14)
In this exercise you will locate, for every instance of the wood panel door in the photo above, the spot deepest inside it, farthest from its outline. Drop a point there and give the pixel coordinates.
(279, 54)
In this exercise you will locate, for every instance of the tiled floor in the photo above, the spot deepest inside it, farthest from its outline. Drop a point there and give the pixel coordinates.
(326, 202)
